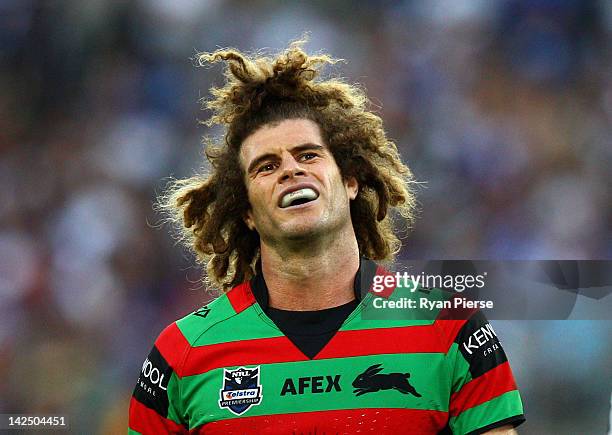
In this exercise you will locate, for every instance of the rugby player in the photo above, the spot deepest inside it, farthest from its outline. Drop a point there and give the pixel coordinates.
(289, 223)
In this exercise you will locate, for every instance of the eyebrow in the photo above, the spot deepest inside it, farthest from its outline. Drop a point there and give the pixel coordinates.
(296, 149)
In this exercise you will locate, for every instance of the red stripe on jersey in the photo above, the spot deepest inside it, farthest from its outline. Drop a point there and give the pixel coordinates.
(493, 383)
(459, 313)
(146, 421)
(241, 297)
(360, 342)
(450, 321)
(448, 330)
(240, 353)
(409, 339)
(381, 420)
(172, 344)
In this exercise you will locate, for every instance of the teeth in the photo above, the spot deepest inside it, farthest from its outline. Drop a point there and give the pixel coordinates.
(306, 193)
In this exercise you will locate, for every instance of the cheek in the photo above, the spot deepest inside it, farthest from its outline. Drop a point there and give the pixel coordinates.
(338, 183)
(257, 195)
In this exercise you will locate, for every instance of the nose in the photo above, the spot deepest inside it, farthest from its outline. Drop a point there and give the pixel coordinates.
(290, 168)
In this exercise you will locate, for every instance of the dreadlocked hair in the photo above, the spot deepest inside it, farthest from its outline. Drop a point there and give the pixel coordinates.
(209, 208)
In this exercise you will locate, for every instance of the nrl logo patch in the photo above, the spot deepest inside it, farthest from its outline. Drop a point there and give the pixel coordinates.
(241, 389)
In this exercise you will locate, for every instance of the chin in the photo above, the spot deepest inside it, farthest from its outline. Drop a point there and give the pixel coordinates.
(302, 231)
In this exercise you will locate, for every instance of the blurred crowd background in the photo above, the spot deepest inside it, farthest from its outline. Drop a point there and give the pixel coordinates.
(503, 109)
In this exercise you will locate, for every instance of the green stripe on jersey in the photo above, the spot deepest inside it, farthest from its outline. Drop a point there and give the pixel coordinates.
(499, 408)
(222, 325)
(324, 385)
(174, 399)
(366, 316)
(133, 432)
(194, 324)
(462, 374)
(426, 305)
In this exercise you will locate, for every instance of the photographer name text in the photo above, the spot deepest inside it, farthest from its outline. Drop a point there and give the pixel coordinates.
(427, 304)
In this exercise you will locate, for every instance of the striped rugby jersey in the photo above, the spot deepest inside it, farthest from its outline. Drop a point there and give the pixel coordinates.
(228, 369)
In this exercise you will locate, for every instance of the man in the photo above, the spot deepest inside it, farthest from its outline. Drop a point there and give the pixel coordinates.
(295, 209)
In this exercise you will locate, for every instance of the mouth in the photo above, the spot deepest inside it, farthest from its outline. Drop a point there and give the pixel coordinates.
(298, 197)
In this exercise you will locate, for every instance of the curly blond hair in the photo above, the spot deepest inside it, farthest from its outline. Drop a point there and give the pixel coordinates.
(209, 208)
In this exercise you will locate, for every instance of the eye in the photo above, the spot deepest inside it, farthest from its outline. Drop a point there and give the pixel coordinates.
(266, 167)
(308, 156)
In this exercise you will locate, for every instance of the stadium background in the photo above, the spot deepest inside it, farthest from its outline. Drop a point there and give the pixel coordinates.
(503, 107)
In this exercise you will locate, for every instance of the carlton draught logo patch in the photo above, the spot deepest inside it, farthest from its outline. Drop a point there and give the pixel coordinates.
(241, 389)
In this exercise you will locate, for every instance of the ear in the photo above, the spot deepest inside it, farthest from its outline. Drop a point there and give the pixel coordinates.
(352, 187)
(373, 369)
(248, 220)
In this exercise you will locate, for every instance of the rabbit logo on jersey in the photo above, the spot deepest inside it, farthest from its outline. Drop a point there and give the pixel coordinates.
(371, 381)
(240, 390)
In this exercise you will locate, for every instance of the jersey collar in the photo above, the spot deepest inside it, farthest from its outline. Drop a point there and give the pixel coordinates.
(361, 285)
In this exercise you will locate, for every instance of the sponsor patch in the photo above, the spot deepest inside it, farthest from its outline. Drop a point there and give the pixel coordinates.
(152, 386)
(479, 345)
(314, 385)
(241, 389)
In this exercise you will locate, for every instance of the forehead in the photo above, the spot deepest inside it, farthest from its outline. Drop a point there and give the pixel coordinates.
(274, 138)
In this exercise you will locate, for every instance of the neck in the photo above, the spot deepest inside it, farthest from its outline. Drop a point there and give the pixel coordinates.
(316, 275)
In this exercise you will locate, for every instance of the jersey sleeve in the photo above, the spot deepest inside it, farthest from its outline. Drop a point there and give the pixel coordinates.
(156, 406)
(484, 395)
